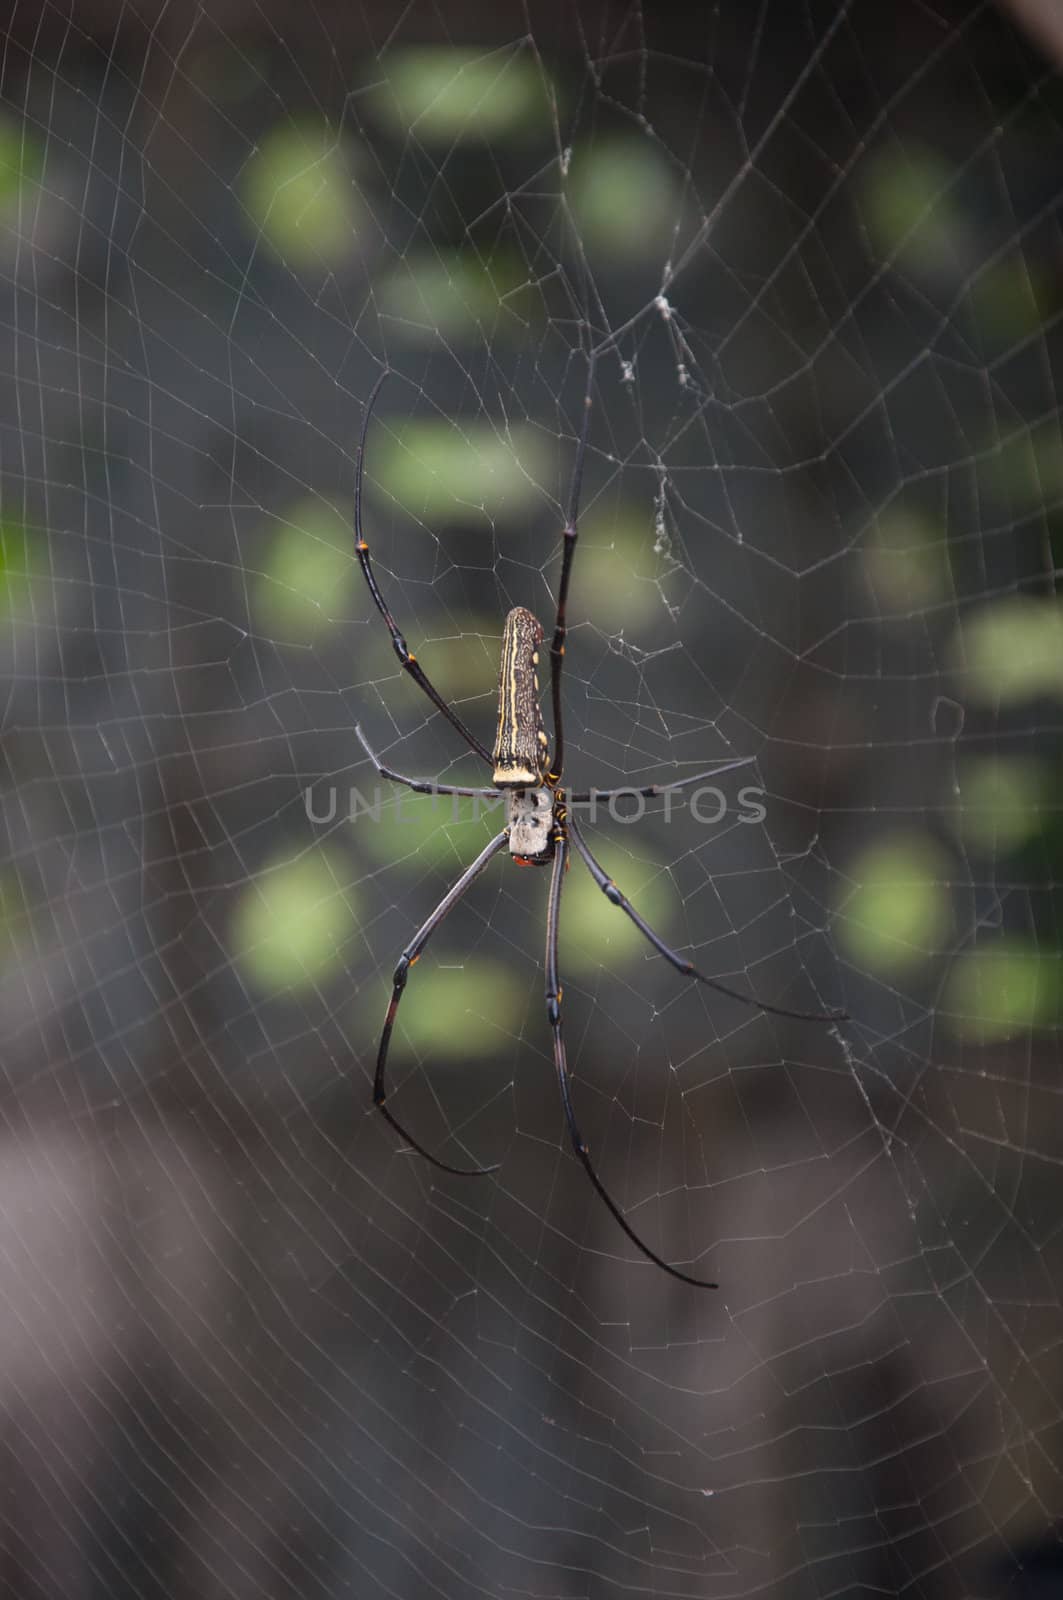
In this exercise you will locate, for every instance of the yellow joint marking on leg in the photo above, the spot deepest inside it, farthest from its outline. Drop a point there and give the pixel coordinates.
(414, 959)
(361, 545)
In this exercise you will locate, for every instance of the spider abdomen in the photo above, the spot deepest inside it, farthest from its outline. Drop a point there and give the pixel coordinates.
(520, 753)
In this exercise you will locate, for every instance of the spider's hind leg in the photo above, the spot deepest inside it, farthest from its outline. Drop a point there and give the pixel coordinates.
(680, 963)
(409, 956)
(553, 1011)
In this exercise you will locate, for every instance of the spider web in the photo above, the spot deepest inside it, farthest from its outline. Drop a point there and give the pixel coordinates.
(804, 259)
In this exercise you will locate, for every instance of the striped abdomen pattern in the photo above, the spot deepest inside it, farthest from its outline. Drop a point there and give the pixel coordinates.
(520, 753)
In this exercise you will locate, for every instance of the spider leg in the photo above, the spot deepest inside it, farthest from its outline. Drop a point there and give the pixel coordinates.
(406, 961)
(553, 1011)
(687, 968)
(405, 655)
(571, 534)
(586, 796)
(420, 785)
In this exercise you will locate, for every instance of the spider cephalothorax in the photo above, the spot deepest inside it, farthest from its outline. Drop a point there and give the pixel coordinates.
(531, 821)
(540, 827)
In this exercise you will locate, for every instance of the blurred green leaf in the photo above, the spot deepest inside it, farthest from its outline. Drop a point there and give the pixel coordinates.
(899, 911)
(907, 562)
(462, 1008)
(299, 190)
(911, 216)
(292, 921)
(1000, 801)
(449, 295)
(1010, 651)
(308, 574)
(1002, 989)
(623, 197)
(448, 472)
(443, 94)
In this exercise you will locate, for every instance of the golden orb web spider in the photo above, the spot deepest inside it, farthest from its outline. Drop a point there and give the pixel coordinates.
(539, 827)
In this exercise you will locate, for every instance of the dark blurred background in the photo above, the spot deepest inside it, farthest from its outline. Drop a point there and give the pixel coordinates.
(251, 1346)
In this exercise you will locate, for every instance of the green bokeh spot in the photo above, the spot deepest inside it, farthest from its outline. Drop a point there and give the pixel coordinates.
(462, 664)
(467, 662)
(1007, 302)
(1002, 989)
(623, 197)
(907, 562)
(899, 912)
(307, 576)
(14, 918)
(23, 559)
(910, 219)
(418, 830)
(460, 1008)
(443, 472)
(1000, 801)
(595, 934)
(293, 920)
(443, 94)
(614, 580)
(1024, 470)
(450, 295)
(21, 163)
(298, 188)
(1011, 651)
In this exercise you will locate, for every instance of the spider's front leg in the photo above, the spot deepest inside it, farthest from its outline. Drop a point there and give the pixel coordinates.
(651, 790)
(422, 785)
(361, 549)
(570, 536)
